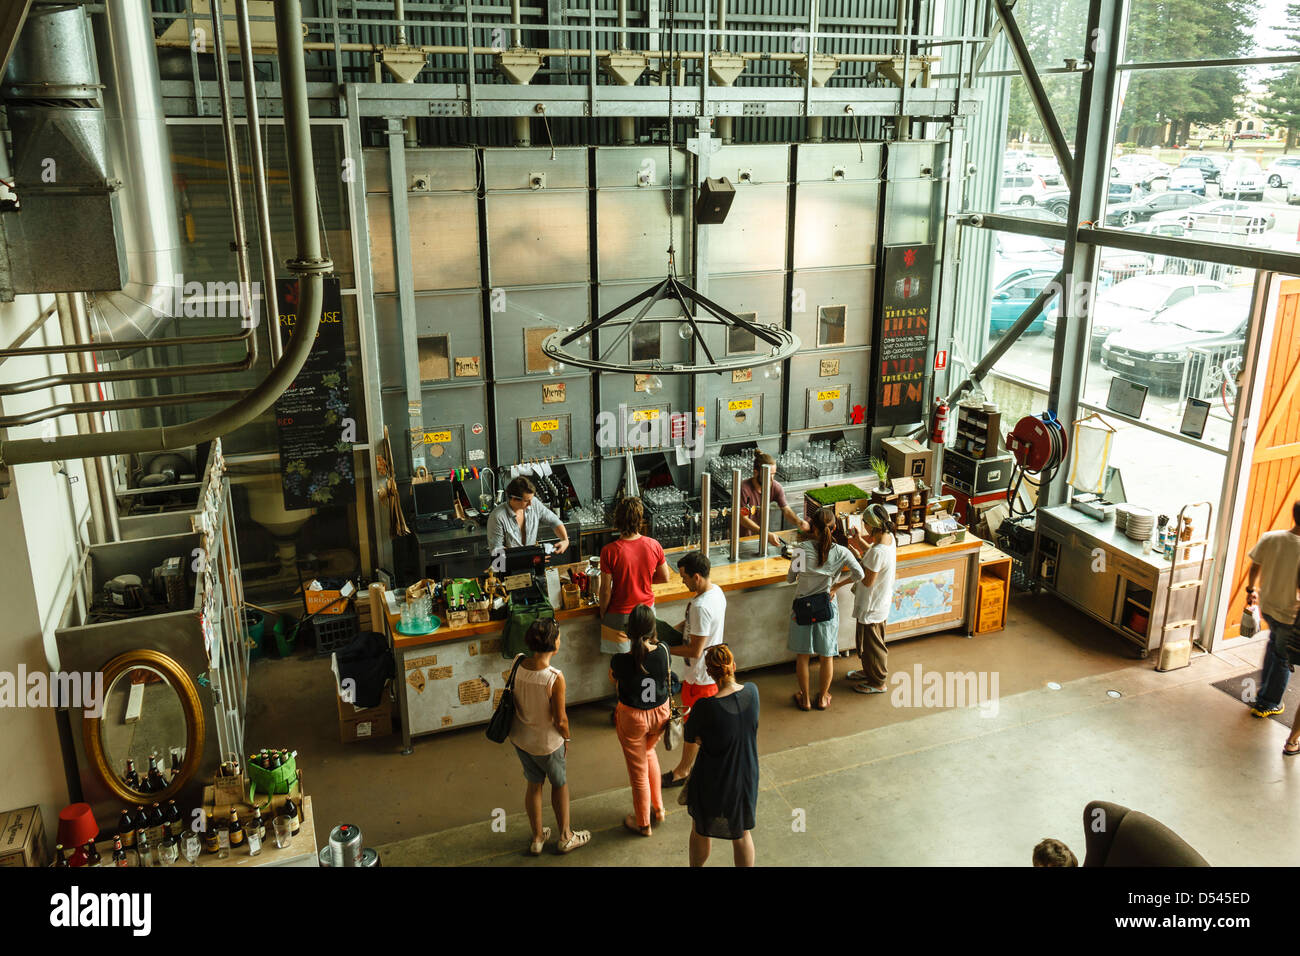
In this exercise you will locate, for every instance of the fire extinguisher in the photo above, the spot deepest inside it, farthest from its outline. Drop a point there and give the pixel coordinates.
(938, 421)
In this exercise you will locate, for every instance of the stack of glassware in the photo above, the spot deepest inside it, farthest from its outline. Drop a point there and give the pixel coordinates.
(794, 465)
(417, 616)
(853, 456)
(591, 515)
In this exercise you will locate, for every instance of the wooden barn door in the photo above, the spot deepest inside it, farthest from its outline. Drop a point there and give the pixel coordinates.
(1274, 481)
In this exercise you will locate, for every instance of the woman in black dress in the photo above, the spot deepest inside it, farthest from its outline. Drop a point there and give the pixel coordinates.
(723, 789)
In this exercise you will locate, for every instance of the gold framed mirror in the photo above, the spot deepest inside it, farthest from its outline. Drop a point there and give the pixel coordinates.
(150, 706)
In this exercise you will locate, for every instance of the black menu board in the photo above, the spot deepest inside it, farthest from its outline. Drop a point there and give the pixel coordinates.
(902, 335)
(314, 415)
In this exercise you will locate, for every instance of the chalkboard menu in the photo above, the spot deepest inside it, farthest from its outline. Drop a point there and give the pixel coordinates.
(314, 415)
(902, 335)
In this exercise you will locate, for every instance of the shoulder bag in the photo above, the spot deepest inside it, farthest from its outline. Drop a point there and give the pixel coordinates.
(498, 728)
(675, 726)
(814, 608)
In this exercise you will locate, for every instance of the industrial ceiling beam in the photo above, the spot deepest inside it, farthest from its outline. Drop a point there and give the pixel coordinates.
(12, 17)
(1037, 94)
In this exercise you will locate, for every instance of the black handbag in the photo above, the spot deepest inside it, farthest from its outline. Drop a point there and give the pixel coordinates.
(498, 728)
(814, 608)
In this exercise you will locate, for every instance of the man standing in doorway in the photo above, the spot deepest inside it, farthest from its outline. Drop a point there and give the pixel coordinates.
(703, 628)
(1274, 566)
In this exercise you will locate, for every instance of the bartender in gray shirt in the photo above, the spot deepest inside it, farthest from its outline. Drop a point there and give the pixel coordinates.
(514, 523)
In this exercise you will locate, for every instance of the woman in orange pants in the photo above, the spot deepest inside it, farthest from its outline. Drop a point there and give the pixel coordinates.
(642, 678)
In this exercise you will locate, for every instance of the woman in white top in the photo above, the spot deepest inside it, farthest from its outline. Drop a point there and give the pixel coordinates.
(819, 566)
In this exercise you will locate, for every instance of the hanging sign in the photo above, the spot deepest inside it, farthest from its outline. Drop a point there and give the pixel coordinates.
(314, 415)
(902, 335)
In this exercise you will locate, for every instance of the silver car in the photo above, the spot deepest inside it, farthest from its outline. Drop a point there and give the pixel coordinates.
(1224, 215)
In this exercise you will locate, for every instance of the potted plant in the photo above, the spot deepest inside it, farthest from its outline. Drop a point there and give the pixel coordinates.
(881, 469)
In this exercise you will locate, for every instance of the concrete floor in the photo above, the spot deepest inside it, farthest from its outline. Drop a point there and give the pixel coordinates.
(870, 782)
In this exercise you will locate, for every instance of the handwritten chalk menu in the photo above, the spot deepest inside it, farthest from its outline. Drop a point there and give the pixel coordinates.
(314, 415)
(902, 335)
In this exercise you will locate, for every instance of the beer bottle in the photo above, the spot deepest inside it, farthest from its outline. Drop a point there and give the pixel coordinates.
(141, 818)
(156, 823)
(92, 853)
(119, 854)
(257, 826)
(59, 859)
(290, 809)
(126, 828)
(236, 828)
(175, 822)
(156, 781)
(176, 763)
(275, 759)
(211, 842)
(142, 847)
(132, 778)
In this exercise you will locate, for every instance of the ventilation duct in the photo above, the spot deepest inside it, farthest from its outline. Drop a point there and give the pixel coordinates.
(127, 247)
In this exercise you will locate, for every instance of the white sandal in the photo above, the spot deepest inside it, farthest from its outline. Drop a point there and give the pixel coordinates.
(535, 848)
(579, 838)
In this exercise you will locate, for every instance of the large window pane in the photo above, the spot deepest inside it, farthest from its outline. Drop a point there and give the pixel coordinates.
(1179, 331)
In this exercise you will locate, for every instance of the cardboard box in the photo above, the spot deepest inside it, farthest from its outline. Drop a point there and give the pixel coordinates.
(908, 458)
(365, 724)
(991, 614)
(22, 838)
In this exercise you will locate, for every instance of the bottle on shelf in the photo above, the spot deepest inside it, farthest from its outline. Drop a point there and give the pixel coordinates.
(131, 778)
(141, 818)
(257, 826)
(169, 849)
(211, 841)
(142, 848)
(175, 823)
(126, 828)
(236, 828)
(119, 854)
(290, 809)
(176, 762)
(92, 854)
(156, 823)
(59, 859)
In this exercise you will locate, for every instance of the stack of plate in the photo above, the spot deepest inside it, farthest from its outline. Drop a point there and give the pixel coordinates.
(1121, 517)
(1139, 523)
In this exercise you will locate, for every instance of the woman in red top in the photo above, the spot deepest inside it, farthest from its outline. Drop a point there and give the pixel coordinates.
(628, 569)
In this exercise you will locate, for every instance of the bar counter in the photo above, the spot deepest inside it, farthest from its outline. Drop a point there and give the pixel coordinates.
(453, 677)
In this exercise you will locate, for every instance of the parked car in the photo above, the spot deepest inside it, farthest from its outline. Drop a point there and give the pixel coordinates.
(1012, 296)
(1124, 192)
(1128, 213)
(1187, 180)
(1156, 353)
(1136, 300)
(1026, 161)
(1243, 179)
(1282, 171)
(1020, 189)
(1140, 169)
(1223, 215)
(1057, 201)
(1040, 213)
(1210, 165)
(1293, 192)
(1252, 134)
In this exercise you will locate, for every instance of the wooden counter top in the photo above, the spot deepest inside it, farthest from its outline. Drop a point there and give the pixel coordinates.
(748, 573)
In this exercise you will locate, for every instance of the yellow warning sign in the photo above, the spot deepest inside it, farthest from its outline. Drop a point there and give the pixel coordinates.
(829, 395)
(645, 415)
(548, 425)
(740, 405)
(437, 438)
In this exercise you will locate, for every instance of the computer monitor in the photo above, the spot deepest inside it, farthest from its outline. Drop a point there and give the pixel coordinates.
(530, 558)
(433, 497)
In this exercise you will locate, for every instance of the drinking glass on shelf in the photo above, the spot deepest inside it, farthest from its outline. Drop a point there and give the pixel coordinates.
(167, 853)
(191, 846)
(283, 826)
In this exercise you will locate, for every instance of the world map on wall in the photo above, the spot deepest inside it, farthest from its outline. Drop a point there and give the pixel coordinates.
(923, 596)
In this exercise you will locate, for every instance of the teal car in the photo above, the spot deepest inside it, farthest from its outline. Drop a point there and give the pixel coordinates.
(1013, 295)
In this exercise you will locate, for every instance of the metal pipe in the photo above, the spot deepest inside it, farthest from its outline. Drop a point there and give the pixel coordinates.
(706, 493)
(622, 24)
(222, 64)
(118, 404)
(67, 349)
(627, 131)
(98, 522)
(722, 25)
(27, 333)
(516, 35)
(126, 375)
(735, 515)
(107, 483)
(765, 517)
(257, 160)
(308, 265)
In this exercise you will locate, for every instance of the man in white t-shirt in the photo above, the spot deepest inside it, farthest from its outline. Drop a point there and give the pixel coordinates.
(1274, 566)
(872, 598)
(703, 628)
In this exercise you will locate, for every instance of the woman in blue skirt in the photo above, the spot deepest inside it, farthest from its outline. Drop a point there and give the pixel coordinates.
(818, 570)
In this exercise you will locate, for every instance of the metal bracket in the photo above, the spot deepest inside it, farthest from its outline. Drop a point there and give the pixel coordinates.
(693, 145)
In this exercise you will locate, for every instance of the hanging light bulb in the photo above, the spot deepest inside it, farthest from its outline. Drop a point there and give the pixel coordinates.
(772, 372)
(654, 384)
(685, 332)
(556, 368)
(585, 341)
